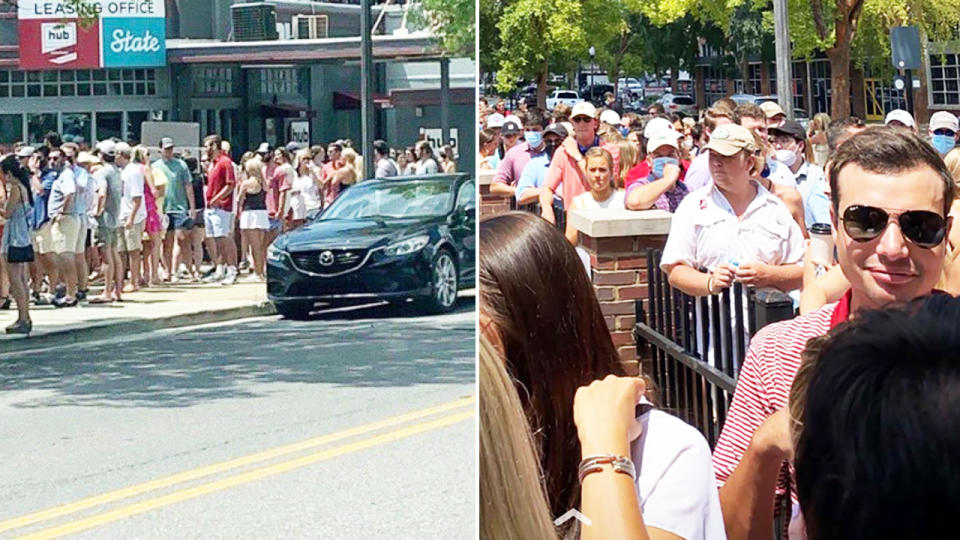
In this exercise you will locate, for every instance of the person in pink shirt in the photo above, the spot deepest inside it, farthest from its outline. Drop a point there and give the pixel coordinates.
(566, 166)
(511, 166)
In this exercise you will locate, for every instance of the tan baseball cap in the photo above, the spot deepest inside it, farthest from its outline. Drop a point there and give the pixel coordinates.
(771, 109)
(584, 108)
(944, 120)
(729, 139)
(86, 158)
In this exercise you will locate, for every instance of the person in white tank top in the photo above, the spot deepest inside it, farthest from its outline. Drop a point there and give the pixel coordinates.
(599, 167)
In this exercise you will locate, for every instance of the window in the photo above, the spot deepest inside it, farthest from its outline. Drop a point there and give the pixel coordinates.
(467, 195)
(134, 119)
(39, 125)
(944, 79)
(109, 124)
(99, 82)
(77, 127)
(11, 127)
(213, 81)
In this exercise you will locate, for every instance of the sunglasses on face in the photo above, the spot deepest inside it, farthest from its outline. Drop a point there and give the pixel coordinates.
(944, 131)
(922, 227)
(581, 119)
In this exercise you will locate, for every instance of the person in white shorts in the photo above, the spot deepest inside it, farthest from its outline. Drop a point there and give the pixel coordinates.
(218, 217)
(254, 219)
(133, 213)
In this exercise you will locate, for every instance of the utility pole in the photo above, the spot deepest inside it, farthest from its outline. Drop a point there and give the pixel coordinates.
(781, 22)
(367, 85)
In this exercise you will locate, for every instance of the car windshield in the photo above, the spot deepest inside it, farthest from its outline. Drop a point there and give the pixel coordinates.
(683, 100)
(393, 199)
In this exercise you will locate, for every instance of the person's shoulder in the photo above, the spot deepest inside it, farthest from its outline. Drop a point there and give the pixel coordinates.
(516, 150)
(675, 432)
(695, 201)
(791, 336)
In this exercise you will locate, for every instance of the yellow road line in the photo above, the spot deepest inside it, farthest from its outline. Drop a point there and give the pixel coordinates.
(217, 468)
(250, 476)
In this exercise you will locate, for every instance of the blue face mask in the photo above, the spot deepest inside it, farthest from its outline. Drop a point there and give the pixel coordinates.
(533, 138)
(661, 162)
(943, 143)
(624, 131)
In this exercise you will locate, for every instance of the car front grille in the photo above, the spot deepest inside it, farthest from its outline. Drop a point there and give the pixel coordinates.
(329, 261)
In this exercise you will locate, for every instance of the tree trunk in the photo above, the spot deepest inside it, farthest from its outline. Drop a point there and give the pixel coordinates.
(542, 86)
(839, 56)
(745, 73)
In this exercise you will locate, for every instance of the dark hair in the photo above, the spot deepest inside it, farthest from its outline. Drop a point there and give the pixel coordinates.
(487, 136)
(877, 444)
(657, 108)
(380, 147)
(838, 131)
(748, 110)
(888, 150)
(213, 138)
(53, 139)
(336, 146)
(555, 339)
(10, 164)
(285, 153)
(725, 103)
(193, 165)
(534, 117)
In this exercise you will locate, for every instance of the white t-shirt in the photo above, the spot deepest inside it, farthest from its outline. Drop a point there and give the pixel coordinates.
(426, 167)
(675, 481)
(585, 201)
(781, 175)
(304, 197)
(132, 178)
(705, 232)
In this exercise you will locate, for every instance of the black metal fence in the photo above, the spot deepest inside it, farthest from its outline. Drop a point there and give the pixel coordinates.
(697, 345)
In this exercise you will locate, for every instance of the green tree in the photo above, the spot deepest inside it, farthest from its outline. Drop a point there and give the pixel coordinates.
(453, 22)
(747, 33)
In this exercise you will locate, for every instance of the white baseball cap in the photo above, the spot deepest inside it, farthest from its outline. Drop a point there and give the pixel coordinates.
(25, 151)
(944, 120)
(123, 148)
(611, 117)
(495, 120)
(107, 147)
(666, 137)
(656, 125)
(900, 115)
(583, 108)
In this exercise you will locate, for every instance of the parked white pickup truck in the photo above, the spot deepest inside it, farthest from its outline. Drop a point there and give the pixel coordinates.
(570, 97)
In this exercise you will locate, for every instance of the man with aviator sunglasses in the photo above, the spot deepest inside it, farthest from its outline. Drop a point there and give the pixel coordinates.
(890, 194)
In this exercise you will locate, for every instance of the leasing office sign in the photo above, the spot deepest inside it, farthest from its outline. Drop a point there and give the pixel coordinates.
(124, 33)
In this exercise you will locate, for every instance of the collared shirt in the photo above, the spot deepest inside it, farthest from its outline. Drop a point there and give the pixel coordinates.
(705, 232)
(39, 215)
(534, 174)
(511, 167)
(64, 185)
(813, 187)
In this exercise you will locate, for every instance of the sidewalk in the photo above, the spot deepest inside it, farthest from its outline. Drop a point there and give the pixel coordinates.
(168, 306)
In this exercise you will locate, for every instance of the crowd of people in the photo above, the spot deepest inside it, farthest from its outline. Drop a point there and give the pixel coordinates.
(127, 217)
(840, 425)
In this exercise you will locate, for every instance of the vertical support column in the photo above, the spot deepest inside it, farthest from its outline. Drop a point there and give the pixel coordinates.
(784, 64)
(444, 100)
(366, 88)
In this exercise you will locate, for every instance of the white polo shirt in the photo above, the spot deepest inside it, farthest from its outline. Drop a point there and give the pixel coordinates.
(705, 232)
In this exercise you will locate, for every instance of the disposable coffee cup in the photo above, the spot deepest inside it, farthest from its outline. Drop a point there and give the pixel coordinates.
(821, 244)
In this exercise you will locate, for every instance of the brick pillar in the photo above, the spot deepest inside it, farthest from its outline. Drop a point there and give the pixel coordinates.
(490, 204)
(616, 241)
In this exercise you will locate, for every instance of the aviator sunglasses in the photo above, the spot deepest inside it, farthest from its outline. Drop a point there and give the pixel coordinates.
(922, 227)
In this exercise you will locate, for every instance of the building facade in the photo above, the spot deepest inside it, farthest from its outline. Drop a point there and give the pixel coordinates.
(300, 80)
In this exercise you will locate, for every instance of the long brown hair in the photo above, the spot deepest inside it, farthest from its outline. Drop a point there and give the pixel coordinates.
(536, 293)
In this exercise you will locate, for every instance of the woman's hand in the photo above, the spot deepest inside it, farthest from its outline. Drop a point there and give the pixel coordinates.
(604, 414)
(723, 277)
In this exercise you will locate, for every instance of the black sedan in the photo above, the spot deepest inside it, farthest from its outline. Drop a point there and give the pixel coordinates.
(410, 237)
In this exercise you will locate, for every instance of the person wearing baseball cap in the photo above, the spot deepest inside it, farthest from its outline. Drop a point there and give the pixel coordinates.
(610, 118)
(510, 135)
(565, 171)
(733, 227)
(790, 142)
(534, 173)
(943, 131)
(662, 186)
(901, 119)
(774, 113)
(518, 157)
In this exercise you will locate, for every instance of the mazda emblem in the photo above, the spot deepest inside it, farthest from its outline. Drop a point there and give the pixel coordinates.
(326, 258)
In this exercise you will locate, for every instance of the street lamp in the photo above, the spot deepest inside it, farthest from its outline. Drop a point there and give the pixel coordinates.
(592, 52)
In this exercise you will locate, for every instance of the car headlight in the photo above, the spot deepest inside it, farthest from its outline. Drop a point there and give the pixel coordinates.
(275, 254)
(408, 246)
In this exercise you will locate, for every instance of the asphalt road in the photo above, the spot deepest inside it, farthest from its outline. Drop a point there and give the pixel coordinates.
(350, 425)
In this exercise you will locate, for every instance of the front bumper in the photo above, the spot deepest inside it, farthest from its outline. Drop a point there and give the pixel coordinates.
(379, 278)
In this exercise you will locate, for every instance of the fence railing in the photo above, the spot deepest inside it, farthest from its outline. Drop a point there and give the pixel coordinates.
(697, 345)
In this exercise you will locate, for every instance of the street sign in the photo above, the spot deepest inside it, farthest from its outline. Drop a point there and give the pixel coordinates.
(124, 33)
(435, 138)
(905, 47)
(300, 132)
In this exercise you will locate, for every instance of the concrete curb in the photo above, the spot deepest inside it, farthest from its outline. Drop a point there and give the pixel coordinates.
(69, 336)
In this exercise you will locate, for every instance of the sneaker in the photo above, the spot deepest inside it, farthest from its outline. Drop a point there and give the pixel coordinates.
(20, 327)
(230, 279)
(63, 302)
(214, 277)
(81, 295)
(174, 278)
(42, 299)
(244, 265)
(60, 291)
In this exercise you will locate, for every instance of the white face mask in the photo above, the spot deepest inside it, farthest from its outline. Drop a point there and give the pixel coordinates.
(688, 143)
(787, 157)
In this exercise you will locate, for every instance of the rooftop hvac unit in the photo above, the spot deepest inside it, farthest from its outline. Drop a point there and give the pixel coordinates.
(254, 21)
(311, 27)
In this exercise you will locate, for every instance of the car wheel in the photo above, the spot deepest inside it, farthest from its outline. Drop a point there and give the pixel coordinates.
(444, 284)
(296, 311)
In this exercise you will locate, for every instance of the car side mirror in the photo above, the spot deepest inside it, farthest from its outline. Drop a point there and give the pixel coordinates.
(470, 212)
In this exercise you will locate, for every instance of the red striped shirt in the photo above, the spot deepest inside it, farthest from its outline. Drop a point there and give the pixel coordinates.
(763, 385)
